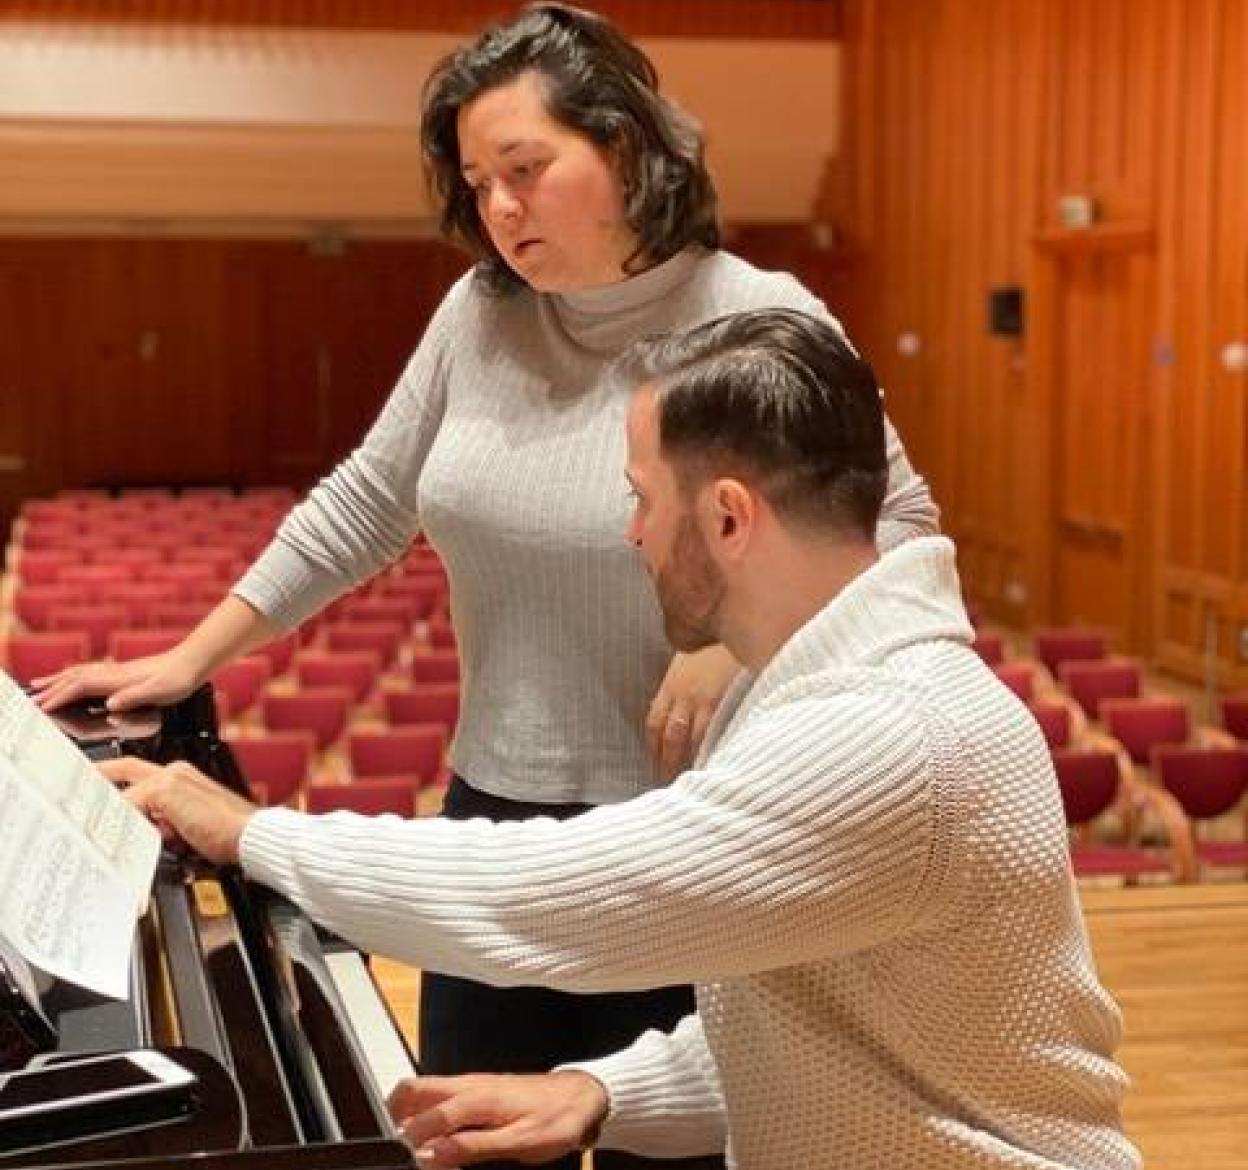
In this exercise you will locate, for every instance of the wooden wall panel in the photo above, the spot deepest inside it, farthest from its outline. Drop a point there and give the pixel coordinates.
(1099, 467)
(942, 100)
(740, 18)
(201, 361)
(1201, 604)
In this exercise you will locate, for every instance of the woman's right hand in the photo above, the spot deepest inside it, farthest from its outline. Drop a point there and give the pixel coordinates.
(158, 679)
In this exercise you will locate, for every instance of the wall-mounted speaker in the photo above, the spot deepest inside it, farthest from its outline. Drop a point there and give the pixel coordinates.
(1005, 311)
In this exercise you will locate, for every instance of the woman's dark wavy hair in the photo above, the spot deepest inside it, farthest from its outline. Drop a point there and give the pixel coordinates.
(780, 399)
(598, 83)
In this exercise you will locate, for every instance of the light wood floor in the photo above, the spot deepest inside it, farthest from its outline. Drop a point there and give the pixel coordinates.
(1176, 959)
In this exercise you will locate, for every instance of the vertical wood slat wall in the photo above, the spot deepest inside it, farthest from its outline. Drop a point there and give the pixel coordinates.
(183, 361)
(1097, 468)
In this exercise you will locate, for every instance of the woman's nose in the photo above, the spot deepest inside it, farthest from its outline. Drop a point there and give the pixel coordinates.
(503, 203)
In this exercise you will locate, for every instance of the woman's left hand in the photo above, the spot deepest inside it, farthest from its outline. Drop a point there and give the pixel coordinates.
(684, 704)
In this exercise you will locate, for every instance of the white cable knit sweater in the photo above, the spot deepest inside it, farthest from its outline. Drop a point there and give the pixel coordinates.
(504, 441)
(866, 876)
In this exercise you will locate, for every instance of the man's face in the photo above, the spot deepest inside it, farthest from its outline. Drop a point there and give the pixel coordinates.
(664, 529)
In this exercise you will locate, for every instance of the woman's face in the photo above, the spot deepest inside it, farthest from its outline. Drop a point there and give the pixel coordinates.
(548, 198)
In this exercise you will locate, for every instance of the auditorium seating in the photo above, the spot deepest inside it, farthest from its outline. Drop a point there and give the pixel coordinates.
(426, 703)
(97, 621)
(1140, 725)
(368, 797)
(437, 666)
(441, 633)
(322, 711)
(1092, 681)
(1057, 644)
(1062, 723)
(1234, 711)
(990, 647)
(1100, 794)
(34, 655)
(1209, 783)
(33, 604)
(242, 681)
(417, 751)
(277, 764)
(382, 638)
(1021, 677)
(279, 652)
(126, 644)
(356, 670)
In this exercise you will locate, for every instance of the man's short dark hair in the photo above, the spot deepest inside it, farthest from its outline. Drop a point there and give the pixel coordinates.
(598, 83)
(780, 399)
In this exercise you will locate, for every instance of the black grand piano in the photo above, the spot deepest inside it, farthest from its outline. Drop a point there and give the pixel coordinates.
(292, 1044)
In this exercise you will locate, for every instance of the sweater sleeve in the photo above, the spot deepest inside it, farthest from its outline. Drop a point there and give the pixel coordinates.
(361, 516)
(664, 1095)
(811, 834)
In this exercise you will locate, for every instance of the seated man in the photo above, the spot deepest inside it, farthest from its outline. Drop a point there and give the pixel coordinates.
(865, 873)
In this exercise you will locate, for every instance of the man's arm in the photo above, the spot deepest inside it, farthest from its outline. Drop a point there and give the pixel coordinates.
(658, 1098)
(795, 842)
(663, 1093)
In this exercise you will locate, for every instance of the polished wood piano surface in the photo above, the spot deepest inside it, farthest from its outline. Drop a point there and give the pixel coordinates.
(293, 1044)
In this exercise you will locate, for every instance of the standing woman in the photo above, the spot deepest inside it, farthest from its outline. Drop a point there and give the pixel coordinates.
(584, 196)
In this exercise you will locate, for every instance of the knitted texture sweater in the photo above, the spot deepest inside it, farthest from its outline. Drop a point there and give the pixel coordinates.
(505, 442)
(866, 876)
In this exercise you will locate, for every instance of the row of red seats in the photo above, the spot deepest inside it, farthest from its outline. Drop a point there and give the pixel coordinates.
(391, 765)
(1131, 758)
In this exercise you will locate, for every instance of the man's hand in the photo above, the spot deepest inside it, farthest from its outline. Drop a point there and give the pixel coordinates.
(458, 1121)
(158, 679)
(682, 708)
(184, 804)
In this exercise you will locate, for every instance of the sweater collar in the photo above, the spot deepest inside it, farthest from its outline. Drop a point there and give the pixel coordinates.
(612, 315)
(910, 595)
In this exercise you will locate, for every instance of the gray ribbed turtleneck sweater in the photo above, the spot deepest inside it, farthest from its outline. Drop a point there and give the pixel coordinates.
(504, 441)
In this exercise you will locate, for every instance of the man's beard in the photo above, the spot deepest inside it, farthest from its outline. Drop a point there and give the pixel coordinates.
(690, 590)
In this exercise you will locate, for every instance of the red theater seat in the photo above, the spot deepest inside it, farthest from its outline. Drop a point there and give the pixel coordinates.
(1059, 644)
(415, 751)
(322, 711)
(277, 763)
(367, 797)
(32, 656)
(430, 703)
(1209, 783)
(1143, 724)
(1098, 781)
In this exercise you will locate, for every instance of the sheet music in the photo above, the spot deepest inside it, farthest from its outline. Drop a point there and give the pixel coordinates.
(76, 860)
(48, 759)
(61, 905)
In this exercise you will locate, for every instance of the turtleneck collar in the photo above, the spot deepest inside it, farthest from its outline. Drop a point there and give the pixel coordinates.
(911, 594)
(606, 318)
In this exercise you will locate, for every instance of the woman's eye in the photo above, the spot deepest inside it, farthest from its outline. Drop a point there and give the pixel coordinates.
(528, 170)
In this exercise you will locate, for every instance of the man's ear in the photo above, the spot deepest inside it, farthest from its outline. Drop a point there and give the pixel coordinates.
(733, 516)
